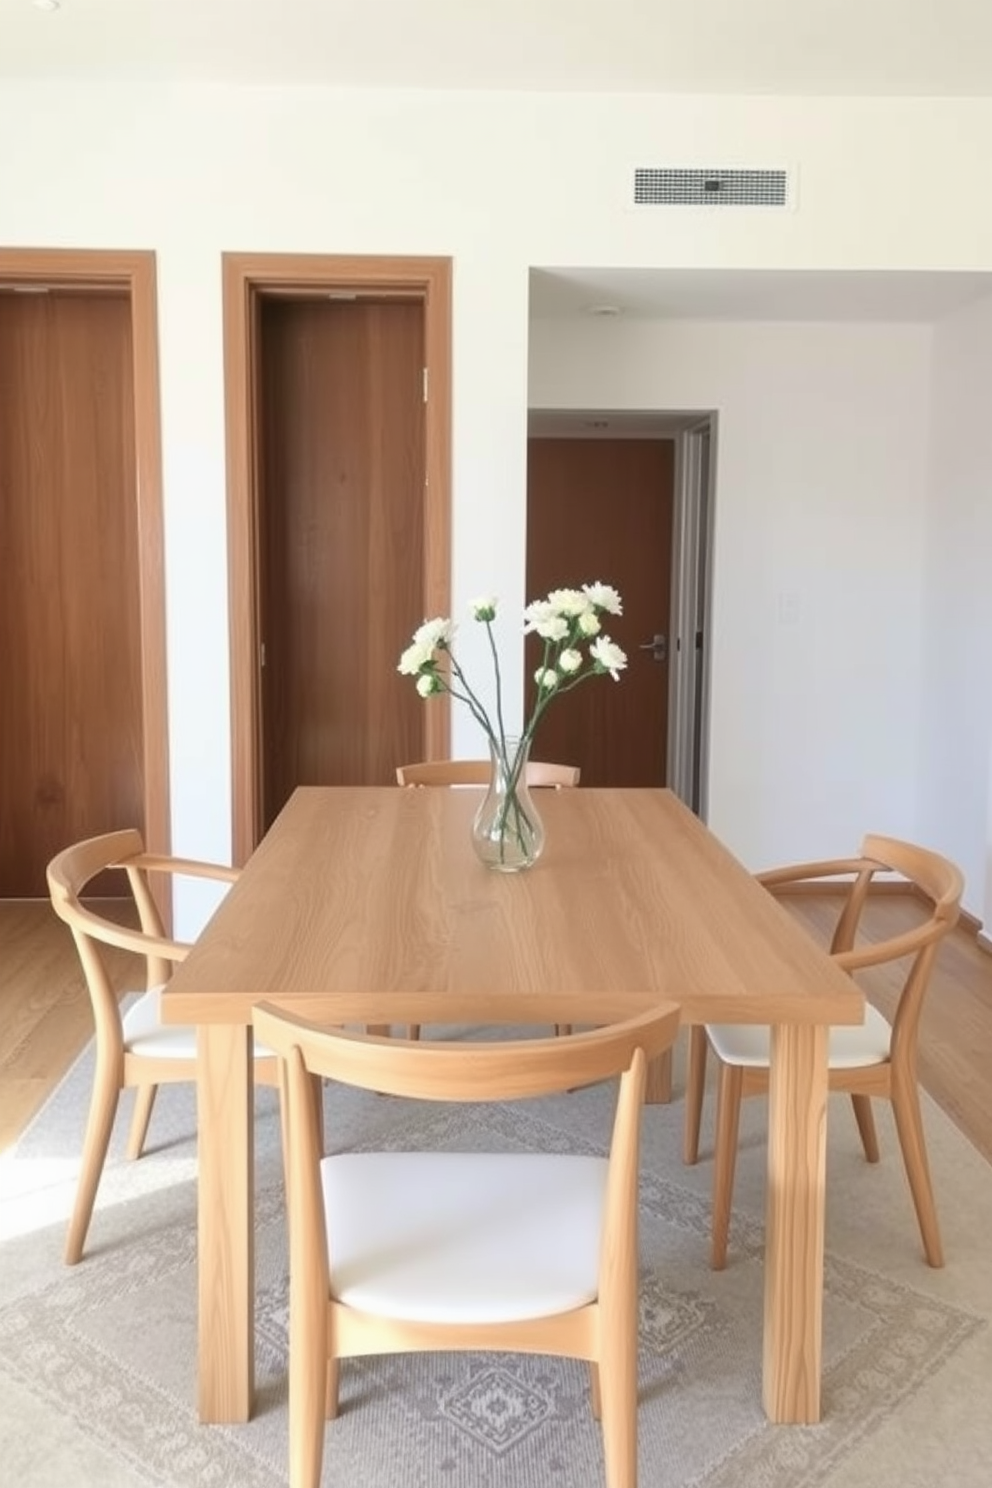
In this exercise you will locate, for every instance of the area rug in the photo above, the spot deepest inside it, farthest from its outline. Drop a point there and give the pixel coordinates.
(97, 1362)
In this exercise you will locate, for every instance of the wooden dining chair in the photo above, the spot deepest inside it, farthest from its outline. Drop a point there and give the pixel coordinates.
(393, 1252)
(479, 772)
(873, 1059)
(135, 1049)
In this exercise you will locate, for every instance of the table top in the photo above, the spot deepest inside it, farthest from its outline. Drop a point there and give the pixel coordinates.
(358, 890)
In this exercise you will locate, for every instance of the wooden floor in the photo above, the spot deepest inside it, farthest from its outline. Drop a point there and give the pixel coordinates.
(45, 1016)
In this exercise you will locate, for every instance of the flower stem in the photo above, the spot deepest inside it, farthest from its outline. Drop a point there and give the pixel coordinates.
(499, 683)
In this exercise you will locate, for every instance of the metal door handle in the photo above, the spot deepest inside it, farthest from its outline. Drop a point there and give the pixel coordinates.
(658, 646)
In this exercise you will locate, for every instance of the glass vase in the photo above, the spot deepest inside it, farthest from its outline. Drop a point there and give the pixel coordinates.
(507, 833)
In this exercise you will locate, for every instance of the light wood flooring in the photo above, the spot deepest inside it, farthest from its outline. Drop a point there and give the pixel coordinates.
(45, 1017)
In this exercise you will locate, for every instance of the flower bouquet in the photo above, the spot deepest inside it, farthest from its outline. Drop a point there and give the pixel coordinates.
(507, 832)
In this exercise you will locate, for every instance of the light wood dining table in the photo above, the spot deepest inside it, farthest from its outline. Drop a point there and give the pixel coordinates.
(360, 894)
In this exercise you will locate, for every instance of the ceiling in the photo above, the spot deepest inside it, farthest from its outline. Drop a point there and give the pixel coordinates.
(753, 294)
(832, 47)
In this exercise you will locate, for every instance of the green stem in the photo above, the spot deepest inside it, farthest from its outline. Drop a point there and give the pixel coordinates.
(467, 696)
(510, 773)
(499, 683)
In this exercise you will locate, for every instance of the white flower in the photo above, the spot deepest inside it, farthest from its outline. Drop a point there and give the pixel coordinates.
(414, 658)
(568, 601)
(565, 620)
(608, 656)
(604, 597)
(434, 633)
(536, 613)
(541, 618)
(555, 628)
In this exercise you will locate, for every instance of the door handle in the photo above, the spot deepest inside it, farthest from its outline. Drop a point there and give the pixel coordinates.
(658, 646)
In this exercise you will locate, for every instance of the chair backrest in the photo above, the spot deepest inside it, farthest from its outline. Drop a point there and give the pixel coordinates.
(939, 884)
(506, 1069)
(69, 873)
(933, 879)
(478, 772)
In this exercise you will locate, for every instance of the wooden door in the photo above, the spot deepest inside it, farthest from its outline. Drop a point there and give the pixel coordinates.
(601, 509)
(341, 521)
(71, 742)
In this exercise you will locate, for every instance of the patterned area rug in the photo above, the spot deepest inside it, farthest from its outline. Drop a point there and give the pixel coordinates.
(97, 1363)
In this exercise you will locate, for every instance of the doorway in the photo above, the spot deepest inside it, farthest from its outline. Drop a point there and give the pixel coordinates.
(649, 518)
(695, 485)
(82, 604)
(338, 416)
(341, 540)
(601, 509)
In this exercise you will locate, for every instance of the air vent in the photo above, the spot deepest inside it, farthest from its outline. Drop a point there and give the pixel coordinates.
(655, 187)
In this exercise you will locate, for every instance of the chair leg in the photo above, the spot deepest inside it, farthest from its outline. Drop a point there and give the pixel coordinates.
(309, 1388)
(318, 1101)
(909, 1125)
(284, 1141)
(595, 1395)
(695, 1086)
(99, 1124)
(413, 1032)
(562, 1030)
(865, 1118)
(331, 1388)
(617, 1371)
(728, 1115)
(144, 1099)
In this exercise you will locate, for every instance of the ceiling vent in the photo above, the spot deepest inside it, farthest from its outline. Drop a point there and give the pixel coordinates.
(656, 187)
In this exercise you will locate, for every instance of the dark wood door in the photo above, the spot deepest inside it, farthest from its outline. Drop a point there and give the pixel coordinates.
(601, 509)
(70, 696)
(341, 540)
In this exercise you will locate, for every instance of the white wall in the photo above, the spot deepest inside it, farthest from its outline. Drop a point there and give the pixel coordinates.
(818, 558)
(956, 698)
(499, 182)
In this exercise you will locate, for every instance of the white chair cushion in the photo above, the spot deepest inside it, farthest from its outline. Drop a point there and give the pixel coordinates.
(145, 1033)
(849, 1048)
(454, 1237)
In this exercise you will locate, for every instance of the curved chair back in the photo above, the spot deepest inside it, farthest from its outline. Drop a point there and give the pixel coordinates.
(934, 879)
(446, 1070)
(479, 772)
(939, 883)
(70, 872)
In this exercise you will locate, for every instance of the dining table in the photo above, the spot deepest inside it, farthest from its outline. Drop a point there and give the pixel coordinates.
(363, 896)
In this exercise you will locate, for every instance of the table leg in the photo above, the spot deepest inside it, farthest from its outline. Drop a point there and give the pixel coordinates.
(658, 1090)
(226, 1301)
(797, 1130)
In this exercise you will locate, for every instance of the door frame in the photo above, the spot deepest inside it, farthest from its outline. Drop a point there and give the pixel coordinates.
(692, 561)
(132, 271)
(247, 278)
